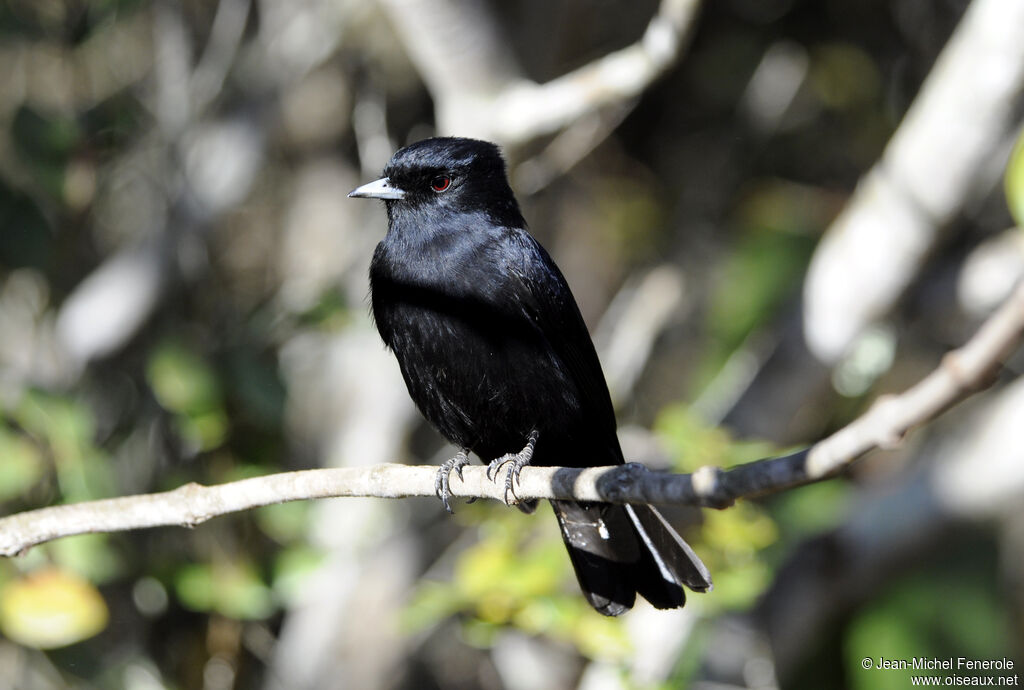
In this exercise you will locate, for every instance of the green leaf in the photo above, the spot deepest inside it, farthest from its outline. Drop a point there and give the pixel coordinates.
(181, 381)
(744, 528)
(1014, 181)
(292, 569)
(185, 384)
(241, 594)
(600, 637)
(51, 608)
(693, 443)
(63, 423)
(67, 427)
(479, 633)
(431, 603)
(206, 430)
(233, 590)
(284, 522)
(737, 587)
(194, 586)
(89, 555)
(811, 509)
(764, 269)
(21, 467)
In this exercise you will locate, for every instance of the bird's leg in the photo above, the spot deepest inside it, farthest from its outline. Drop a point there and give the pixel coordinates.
(441, 482)
(516, 462)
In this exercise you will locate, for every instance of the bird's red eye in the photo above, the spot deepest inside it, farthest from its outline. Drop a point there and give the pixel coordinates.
(440, 183)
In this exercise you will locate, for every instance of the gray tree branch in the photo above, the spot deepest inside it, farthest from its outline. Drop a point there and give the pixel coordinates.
(479, 90)
(961, 373)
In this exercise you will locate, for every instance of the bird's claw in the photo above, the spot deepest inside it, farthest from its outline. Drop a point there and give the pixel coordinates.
(516, 462)
(442, 481)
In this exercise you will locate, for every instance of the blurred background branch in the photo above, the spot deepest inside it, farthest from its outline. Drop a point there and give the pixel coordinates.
(950, 148)
(479, 90)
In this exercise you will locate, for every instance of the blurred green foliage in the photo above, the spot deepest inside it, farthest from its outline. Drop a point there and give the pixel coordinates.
(776, 228)
(733, 540)
(92, 556)
(692, 443)
(188, 387)
(50, 438)
(230, 588)
(1014, 181)
(811, 509)
(22, 466)
(65, 429)
(516, 574)
(947, 612)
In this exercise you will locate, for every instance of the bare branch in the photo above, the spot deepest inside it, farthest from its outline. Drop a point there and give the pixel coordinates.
(478, 88)
(961, 373)
(527, 110)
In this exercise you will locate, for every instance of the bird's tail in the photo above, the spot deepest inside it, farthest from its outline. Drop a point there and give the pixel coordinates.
(619, 551)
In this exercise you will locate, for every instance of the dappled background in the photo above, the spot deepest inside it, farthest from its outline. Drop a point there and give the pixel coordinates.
(183, 297)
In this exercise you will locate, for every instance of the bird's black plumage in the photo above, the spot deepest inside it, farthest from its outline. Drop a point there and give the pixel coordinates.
(494, 352)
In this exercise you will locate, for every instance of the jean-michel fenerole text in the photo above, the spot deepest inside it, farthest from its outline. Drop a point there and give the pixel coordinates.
(932, 664)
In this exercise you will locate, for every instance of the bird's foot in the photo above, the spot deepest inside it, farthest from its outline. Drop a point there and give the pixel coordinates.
(516, 463)
(442, 481)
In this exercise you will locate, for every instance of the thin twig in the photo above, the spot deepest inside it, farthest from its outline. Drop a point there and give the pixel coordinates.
(961, 373)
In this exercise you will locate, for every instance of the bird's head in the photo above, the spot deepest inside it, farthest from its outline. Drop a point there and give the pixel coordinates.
(446, 175)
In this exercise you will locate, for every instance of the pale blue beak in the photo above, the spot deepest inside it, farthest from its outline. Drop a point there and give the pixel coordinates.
(378, 189)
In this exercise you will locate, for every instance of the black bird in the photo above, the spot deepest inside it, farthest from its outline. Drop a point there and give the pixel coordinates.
(496, 356)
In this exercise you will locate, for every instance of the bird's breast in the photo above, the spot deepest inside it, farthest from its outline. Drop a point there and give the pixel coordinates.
(477, 375)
